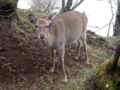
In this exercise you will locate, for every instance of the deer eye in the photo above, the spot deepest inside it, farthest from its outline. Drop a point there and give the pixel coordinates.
(47, 26)
(36, 26)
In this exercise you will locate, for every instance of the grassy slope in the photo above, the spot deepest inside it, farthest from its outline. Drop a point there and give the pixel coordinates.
(77, 82)
(99, 49)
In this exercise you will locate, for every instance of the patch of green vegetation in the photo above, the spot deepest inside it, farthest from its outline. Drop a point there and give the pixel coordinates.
(96, 52)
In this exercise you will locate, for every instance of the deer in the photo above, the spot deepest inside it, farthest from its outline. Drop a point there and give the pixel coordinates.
(55, 32)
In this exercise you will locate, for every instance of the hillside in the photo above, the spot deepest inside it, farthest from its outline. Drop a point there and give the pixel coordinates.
(24, 64)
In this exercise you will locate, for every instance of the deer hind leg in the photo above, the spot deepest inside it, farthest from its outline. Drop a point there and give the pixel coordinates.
(53, 60)
(61, 53)
(78, 49)
(85, 48)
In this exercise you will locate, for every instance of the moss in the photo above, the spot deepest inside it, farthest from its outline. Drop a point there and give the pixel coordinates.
(107, 65)
(104, 80)
(119, 63)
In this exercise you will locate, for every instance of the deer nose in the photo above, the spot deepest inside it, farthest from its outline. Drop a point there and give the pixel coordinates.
(42, 36)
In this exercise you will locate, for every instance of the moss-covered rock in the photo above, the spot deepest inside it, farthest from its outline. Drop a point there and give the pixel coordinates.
(105, 79)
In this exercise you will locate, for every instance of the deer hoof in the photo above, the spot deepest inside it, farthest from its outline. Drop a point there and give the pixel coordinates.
(88, 62)
(65, 80)
(52, 70)
(76, 57)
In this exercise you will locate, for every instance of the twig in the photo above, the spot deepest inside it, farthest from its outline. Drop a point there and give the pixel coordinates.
(77, 4)
(92, 26)
(102, 27)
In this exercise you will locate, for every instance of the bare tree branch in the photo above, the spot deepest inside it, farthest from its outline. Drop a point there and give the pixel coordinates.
(76, 5)
(102, 27)
(92, 26)
(70, 5)
(45, 5)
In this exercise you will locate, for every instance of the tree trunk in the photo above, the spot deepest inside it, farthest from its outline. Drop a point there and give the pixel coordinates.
(117, 22)
(116, 58)
(66, 7)
(8, 8)
(69, 6)
(63, 5)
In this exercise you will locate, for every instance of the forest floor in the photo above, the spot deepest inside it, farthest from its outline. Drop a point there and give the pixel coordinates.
(25, 64)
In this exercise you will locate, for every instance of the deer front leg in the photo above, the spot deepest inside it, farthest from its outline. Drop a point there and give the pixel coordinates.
(53, 60)
(61, 53)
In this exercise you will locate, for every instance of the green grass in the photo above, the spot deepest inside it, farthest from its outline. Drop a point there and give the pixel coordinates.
(97, 53)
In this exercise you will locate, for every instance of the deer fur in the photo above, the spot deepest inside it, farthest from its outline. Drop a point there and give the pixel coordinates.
(63, 29)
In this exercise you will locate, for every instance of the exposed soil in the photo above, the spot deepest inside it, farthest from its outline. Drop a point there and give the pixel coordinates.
(25, 64)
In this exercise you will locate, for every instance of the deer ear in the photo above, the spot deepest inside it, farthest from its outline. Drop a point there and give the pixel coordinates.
(52, 16)
(32, 18)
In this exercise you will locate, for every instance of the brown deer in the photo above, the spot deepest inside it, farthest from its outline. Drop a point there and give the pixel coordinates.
(59, 31)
